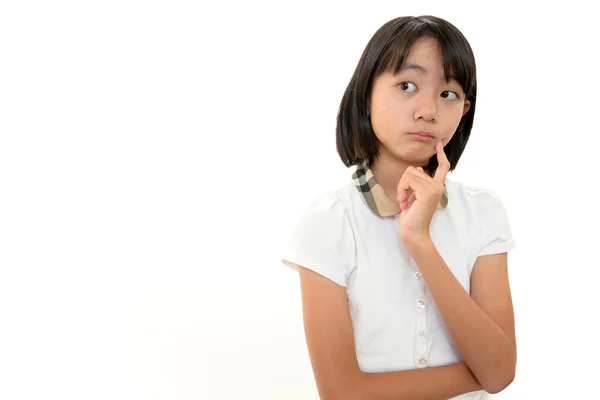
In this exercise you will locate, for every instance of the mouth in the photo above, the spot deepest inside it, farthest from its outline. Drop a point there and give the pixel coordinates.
(421, 133)
(421, 136)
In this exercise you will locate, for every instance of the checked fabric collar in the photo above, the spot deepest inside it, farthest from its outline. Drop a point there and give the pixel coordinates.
(373, 195)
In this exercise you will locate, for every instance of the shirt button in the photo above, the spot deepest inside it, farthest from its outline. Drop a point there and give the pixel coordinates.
(421, 303)
(422, 333)
(423, 361)
(417, 275)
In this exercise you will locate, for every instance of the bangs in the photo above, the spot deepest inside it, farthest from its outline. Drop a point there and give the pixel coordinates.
(457, 56)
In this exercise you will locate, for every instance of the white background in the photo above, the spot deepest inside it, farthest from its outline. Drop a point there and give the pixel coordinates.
(153, 156)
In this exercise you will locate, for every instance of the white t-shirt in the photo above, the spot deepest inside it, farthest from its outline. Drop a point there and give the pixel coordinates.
(396, 323)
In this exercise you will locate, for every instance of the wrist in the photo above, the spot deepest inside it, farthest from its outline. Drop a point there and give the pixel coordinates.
(419, 244)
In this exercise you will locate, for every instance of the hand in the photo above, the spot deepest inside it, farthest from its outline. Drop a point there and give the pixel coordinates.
(417, 211)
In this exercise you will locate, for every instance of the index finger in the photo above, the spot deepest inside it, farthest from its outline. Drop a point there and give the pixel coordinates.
(443, 163)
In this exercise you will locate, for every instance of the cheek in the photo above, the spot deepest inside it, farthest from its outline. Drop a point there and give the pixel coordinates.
(394, 113)
(386, 118)
(453, 118)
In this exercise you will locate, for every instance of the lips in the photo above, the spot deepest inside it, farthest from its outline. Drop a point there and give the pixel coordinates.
(421, 133)
(421, 137)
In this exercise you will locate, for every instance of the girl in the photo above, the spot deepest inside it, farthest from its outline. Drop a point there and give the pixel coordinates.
(405, 291)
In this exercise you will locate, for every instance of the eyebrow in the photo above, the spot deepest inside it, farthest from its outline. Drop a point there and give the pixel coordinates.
(424, 70)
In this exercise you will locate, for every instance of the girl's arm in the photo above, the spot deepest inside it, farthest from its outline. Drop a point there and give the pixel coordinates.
(331, 347)
(481, 324)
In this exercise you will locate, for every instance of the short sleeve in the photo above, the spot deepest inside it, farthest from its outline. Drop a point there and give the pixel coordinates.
(322, 240)
(494, 231)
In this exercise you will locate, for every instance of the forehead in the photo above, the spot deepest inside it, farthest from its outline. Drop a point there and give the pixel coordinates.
(425, 58)
(425, 48)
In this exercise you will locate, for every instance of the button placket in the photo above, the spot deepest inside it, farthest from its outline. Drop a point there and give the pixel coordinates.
(421, 323)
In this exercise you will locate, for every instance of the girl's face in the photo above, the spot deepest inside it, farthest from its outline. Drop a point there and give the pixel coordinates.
(417, 99)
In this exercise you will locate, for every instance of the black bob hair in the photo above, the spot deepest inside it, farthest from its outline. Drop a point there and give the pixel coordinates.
(386, 52)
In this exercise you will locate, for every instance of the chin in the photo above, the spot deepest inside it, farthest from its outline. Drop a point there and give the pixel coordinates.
(416, 153)
(412, 159)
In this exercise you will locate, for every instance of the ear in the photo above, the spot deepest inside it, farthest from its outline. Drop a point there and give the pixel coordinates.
(466, 107)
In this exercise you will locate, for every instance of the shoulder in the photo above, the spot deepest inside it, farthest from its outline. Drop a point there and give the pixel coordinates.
(324, 213)
(322, 239)
(482, 207)
(487, 213)
(468, 189)
(472, 196)
(331, 202)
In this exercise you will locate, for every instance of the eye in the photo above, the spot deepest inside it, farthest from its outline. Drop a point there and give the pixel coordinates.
(405, 86)
(449, 93)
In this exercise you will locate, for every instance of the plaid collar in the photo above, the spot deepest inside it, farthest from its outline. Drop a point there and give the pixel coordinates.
(373, 195)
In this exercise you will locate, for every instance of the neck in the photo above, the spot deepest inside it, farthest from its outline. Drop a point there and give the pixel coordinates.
(388, 171)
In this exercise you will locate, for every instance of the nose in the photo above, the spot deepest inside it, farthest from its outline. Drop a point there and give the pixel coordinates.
(425, 109)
